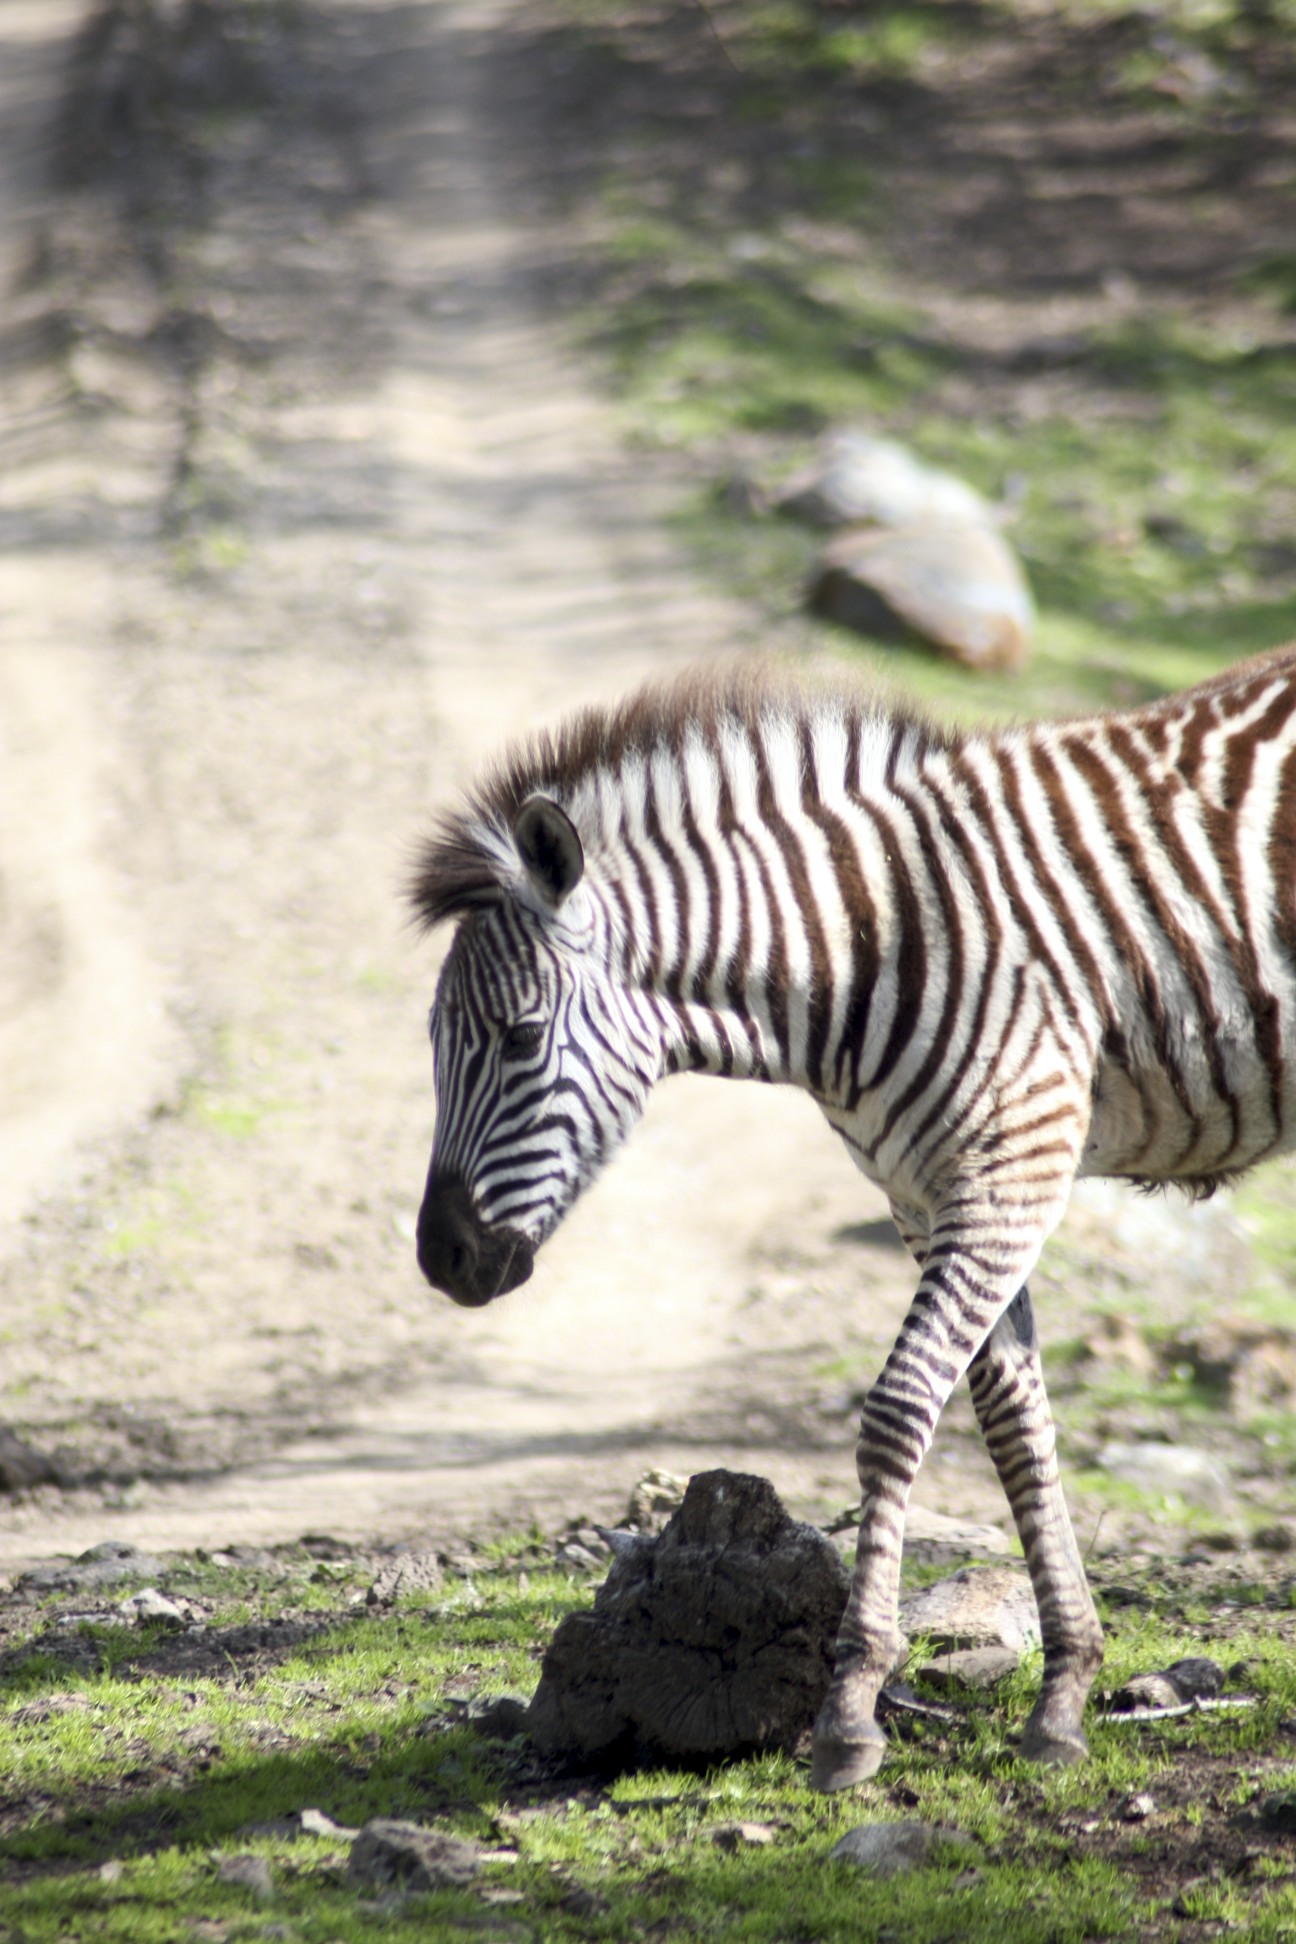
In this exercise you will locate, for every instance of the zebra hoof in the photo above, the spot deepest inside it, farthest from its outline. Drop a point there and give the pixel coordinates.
(1053, 1751)
(838, 1764)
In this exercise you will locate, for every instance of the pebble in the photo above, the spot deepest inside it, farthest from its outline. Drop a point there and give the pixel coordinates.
(390, 1853)
(149, 1604)
(102, 1565)
(894, 1848)
(1163, 1468)
(979, 1606)
(856, 479)
(958, 586)
(971, 1667)
(247, 1873)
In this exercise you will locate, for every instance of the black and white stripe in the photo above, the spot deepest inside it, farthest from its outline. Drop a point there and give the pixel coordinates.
(997, 959)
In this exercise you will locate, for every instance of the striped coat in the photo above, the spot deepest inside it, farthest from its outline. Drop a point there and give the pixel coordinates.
(997, 959)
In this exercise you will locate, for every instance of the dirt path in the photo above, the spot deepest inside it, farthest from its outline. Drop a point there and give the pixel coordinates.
(271, 603)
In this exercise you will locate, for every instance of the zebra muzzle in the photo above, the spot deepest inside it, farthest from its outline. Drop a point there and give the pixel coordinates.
(460, 1255)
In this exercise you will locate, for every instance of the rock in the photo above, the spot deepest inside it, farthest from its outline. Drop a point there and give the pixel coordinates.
(958, 586)
(655, 1496)
(1119, 1342)
(1252, 1364)
(1195, 1678)
(971, 1667)
(1163, 1468)
(1277, 1538)
(931, 1539)
(497, 1716)
(979, 1606)
(743, 1835)
(21, 1467)
(1277, 1813)
(894, 1848)
(405, 1855)
(149, 1604)
(1137, 1808)
(405, 1577)
(102, 1565)
(714, 1639)
(247, 1873)
(857, 480)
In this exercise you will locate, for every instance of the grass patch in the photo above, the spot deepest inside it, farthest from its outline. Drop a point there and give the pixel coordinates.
(140, 1762)
(756, 287)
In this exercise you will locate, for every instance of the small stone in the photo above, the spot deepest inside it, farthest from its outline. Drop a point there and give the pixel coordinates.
(856, 480)
(22, 1467)
(1277, 1813)
(740, 1835)
(1278, 1538)
(979, 1606)
(250, 1873)
(405, 1855)
(499, 1717)
(971, 1667)
(313, 1822)
(894, 1848)
(958, 586)
(102, 1565)
(1166, 1468)
(656, 1495)
(1196, 1678)
(405, 1577)
(933, 1539)
(149, 1604)
(1137, 1808)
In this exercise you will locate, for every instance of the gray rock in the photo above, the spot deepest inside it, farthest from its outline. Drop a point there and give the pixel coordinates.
(713, 1639)
(971, 1667)
(149, 1604)
(1163, 1468)
(932, 1539)
(405, 1577)
(1195, 1678)
(405, 1855)
(956, 585)
(656, 1495)
(979, 1606)
(247, 1873)
(894, 1848)
(857, 480)
(102, 1565)
(21, 1466)
(497, 1716)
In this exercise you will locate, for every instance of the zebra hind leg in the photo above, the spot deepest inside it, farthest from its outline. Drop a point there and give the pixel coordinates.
(1007, 1384)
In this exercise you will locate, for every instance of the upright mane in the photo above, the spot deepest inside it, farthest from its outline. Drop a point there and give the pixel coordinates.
(470, 858)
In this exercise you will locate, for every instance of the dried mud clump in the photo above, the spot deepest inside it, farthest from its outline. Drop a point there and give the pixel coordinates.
(714, 1639)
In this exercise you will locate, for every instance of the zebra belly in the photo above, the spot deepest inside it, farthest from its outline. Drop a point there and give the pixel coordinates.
(1214, 1112)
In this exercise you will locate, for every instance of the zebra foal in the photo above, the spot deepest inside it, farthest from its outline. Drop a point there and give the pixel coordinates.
(998, 959)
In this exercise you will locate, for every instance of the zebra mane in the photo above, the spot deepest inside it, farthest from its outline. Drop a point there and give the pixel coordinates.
(470, 859)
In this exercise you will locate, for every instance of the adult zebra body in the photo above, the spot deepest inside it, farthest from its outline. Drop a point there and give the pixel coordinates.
(997, 959)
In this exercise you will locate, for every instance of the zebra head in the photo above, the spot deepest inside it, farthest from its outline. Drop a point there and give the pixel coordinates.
(542, 1062)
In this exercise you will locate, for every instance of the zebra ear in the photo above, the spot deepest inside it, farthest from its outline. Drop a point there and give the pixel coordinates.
(550, 848)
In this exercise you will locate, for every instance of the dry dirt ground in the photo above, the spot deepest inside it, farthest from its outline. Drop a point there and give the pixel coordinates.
(306, 506)
(305, 509)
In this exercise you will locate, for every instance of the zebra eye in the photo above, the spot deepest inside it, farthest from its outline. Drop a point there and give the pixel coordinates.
(523, 1038)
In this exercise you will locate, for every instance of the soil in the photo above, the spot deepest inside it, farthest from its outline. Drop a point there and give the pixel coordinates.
(308, 505)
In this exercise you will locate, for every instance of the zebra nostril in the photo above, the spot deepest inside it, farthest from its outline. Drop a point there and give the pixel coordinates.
(458, 1260)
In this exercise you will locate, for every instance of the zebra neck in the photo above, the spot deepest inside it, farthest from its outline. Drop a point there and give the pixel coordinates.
(732, 1043)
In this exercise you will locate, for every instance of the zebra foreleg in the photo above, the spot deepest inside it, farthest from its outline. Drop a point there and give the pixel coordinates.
(1007, 1384)
(956, 1306)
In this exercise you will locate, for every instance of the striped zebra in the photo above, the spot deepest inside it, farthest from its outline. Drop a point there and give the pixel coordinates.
(997, 958)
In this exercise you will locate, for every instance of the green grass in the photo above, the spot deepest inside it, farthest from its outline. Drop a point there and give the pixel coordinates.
(747, 300)
(132, 1776)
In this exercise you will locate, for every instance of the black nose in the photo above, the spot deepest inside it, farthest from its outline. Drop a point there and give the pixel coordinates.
(459, 1254)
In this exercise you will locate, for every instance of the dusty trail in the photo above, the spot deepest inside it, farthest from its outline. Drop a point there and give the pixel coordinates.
(220, 735)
